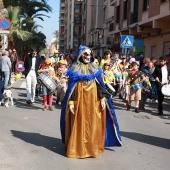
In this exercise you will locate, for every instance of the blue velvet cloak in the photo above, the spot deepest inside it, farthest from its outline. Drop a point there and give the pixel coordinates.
(112, 133)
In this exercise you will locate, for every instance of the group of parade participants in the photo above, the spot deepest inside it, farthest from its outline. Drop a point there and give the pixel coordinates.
(131, 79)
(85, 88)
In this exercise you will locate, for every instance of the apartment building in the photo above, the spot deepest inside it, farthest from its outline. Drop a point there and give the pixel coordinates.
(147, 20)
(99, 24)
(62, 26)
(70, 25)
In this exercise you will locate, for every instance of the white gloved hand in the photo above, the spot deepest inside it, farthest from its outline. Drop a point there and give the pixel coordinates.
(103, 104)
(71, 107)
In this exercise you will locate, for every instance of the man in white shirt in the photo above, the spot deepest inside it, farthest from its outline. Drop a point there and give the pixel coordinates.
(162, 76)
(31, 64)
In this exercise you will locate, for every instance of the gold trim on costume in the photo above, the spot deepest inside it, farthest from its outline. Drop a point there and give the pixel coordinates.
(71, 102)
(113, 122)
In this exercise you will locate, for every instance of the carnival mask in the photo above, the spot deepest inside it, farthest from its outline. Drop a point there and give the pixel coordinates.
(86, 56)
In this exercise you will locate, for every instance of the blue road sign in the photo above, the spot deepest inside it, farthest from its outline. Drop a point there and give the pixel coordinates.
(19, 66)
(126, 41)
(4, 23)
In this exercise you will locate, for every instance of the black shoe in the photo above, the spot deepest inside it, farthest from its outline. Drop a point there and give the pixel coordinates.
(57, 101)
(160, 112)
(120, 97)
(142, 108)
(128, 106)
(137, 110)
(29, 102)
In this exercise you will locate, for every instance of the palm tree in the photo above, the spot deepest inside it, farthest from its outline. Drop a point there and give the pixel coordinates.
(16, 31)
(22, 14)
(30, 8)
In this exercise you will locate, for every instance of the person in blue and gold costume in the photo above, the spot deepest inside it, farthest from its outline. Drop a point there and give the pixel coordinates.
(88, 121)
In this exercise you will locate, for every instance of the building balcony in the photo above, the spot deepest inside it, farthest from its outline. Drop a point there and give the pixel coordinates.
(62, 4)
(62, 24)
(61, 38)
(62, 18)
(61, 45)
(62, 11)
(77, 35)
(112, 2)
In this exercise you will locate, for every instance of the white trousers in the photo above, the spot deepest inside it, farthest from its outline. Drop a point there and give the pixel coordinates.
(31, 81)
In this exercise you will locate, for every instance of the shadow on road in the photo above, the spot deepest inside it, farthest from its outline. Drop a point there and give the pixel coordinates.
(151, 140)
(21, 103)
(18, 88)
(50, 143)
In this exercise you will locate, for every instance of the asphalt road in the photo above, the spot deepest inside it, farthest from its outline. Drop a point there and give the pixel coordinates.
(30, 139)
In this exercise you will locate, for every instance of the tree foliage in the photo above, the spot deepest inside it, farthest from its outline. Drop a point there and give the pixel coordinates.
(23, 31)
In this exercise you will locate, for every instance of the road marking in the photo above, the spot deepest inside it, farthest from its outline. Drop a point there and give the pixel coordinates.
(23, 85)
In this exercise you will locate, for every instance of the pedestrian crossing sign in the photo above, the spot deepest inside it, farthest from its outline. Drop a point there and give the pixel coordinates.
(126, 41)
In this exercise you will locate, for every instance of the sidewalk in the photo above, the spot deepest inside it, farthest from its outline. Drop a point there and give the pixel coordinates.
(13, 79)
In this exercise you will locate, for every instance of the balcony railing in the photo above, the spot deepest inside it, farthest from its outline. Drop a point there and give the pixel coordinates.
(77, 21)
(62, 5)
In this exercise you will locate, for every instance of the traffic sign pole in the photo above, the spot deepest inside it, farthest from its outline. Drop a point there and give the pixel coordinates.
(4, 26)
(126, 43)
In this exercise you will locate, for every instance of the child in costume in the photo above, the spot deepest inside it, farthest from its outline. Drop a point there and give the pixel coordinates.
(134, 78)
(146, 86)
(47, 94)
(108, 78)
(62, 80)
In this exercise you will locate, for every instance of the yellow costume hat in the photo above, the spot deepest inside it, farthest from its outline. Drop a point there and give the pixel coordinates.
(63, 62)
(56, 52)
(47, 61)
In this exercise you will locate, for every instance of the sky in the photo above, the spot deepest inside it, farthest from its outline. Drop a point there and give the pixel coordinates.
(50, 24)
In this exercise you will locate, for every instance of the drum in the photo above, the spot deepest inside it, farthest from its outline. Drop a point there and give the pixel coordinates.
(166, 90)
(47, 81)
(110, 89)
(145, 90)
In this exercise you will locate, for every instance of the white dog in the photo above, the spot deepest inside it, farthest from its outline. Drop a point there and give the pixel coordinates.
(8, 97)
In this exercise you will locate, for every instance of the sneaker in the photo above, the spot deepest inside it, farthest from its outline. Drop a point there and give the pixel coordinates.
(148, 100)
(51, 108)
(156, 101)
(128, 107)
(45, 108)
(137, 110)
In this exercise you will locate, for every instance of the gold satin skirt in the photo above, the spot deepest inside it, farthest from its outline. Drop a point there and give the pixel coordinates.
(85, 130)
